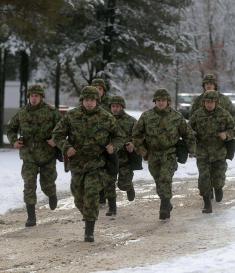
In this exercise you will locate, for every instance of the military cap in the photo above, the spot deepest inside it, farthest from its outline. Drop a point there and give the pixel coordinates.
(161, 93)
(99, 82)
(36, 89)
(90, 92)
(117, 100)
(209, 78)
(211, 95)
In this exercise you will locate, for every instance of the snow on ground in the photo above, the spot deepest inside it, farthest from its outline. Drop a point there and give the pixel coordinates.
(213, 261)
(11, 183)
(216, 261)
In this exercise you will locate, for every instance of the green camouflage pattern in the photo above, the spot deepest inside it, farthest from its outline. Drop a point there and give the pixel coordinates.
(88, 132)
(207, 125)
(117, 100)
(156, 133)
(35, 125)
(211, 175)
(85, 188)
(125, 175)
(162, 170)
(99, 82)
(105, 104)
(109, 180)
(211, 150)
(161, 93)
(224, 102)
(36, 89)
(211, 95)
(209, 78)
(90, 92)
(109, 185)
(48, 175)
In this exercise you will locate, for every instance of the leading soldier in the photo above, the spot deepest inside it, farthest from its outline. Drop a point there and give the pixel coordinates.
(214, 126)
(85, 134)
(30, 131)
(155, 136)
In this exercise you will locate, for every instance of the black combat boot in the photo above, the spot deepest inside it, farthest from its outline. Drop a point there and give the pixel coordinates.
(102, 198)
(112, 207)
(207, 204)
(131, 194)
(218, 195)
(53, 202)
(165, 209)
(89, 231)
(31, 221)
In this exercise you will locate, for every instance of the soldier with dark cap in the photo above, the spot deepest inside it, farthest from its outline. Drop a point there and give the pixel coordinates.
(155, 137)
(214, 126)
(125, 174)
(30, 131)
(104, 102)
(85, 134)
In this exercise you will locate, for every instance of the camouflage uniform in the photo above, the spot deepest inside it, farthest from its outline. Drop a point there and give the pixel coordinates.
(88, 132)
(211, 150)
(35, 125)
(109, 184)
(104, 103)
(155, 136)
(224, 101)
(125, 123)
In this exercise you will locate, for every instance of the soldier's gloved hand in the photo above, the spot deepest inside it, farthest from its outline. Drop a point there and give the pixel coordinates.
(71, 152)
(223, 135)
(130, 147)
(110, 148)
(18, 144)
(51, 142)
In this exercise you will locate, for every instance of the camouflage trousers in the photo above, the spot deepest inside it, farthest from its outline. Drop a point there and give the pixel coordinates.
(162, 172)
(125, 176)
(85, 188)
(211, 174)
(109, 182)
(47, 176)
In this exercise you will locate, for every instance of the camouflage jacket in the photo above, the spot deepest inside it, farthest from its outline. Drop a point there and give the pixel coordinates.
(207, 125)
(224, 102)
(88, 132)
(126, 124)
(105, 103)
(35, 125)
(157, 132)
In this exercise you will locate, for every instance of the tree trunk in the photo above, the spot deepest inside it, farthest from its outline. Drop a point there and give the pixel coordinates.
(3, 55)
(57, 84)
(177, 82)
(108, 33)
(24, 77)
